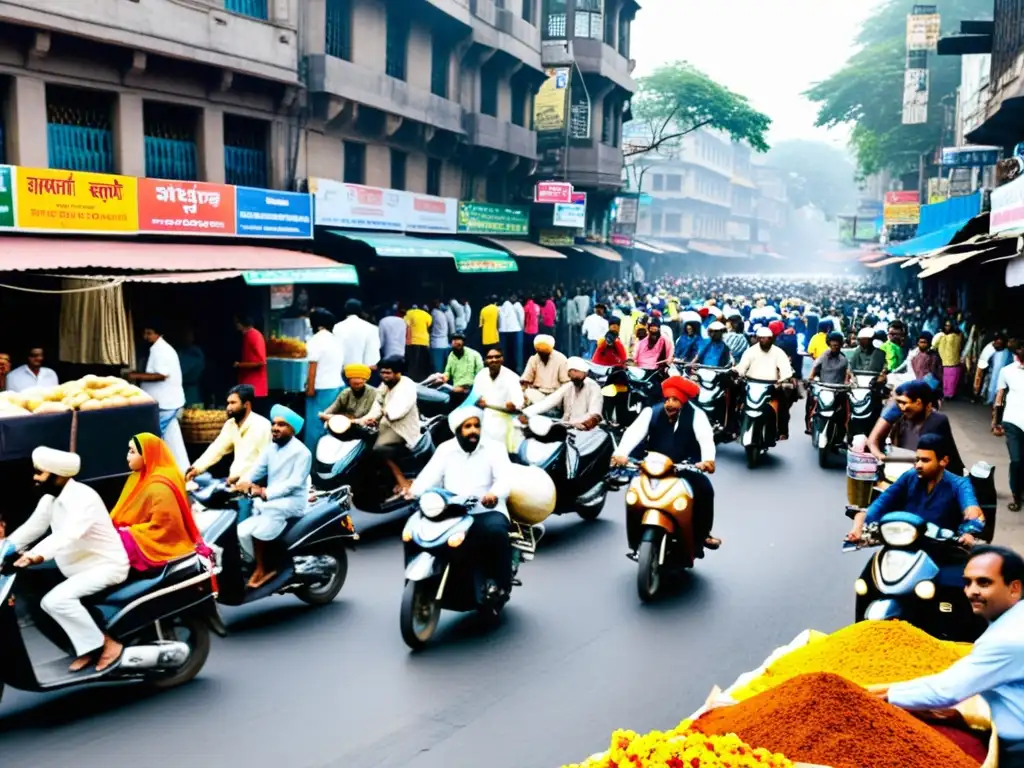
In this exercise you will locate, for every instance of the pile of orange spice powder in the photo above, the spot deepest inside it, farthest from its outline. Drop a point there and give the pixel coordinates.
(824, 719)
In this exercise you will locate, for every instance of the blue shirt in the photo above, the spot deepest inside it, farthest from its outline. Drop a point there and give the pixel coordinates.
(712, 352)
(687, 346)
(944, 506)
(994, 669)
(286, 469)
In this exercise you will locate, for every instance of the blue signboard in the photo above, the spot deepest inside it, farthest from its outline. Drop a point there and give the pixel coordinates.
(269, 213)
(970, 157)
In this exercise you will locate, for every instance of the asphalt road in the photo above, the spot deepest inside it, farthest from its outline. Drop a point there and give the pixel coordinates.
(576, 656)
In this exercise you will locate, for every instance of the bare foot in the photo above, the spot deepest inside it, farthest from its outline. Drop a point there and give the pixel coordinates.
(80, 663)
(256, 579)
(255, 583)
(111, 653)
(712, 543)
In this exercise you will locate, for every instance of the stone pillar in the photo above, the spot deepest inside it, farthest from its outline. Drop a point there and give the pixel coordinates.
(279, 148)
(26, 123)
(210, 144)
(129, 135)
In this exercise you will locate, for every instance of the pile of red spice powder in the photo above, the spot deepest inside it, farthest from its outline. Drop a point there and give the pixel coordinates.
(825, 719)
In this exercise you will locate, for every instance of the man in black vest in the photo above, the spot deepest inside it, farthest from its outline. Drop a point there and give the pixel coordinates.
(682, 432)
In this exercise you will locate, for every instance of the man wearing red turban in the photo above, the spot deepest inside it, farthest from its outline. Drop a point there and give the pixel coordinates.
(681, 431)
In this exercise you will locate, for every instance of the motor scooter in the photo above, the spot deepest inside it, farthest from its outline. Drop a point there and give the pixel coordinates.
(659, 521)
(865, 403)
(916, 576)
(715, 399)
(343, 458)
(310, 556)
(828, 426)
(759, 426)
(441, 573)
(576, 460)
(163, 618)
(435, 398)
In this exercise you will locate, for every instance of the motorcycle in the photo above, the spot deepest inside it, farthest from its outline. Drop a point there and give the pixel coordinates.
(715, 399)
(576, 460)
(343, 458)
(828, 426)
(641, 389)
(659, 521)
(163, 618)
(865, 403)
(310, 556)
(760, 424)
(439, 574)
(435, 398)
(904, 579)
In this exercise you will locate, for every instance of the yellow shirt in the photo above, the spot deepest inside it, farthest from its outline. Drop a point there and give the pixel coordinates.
(818, 344)
(489, 324)
(949, 346)
(246, 443)
(419, 322)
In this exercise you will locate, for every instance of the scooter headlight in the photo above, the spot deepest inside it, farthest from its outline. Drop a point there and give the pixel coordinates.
(456, 539)
(632, 497)
(898, 534)
(432, 504)
(827, 398)
(860, 587)
(679, 504)
(925, 590)
(339, 425)
(657, 464)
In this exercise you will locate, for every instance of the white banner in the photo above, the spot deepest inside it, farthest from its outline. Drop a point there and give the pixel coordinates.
(357, 206)
(915, 96)
(923, 31)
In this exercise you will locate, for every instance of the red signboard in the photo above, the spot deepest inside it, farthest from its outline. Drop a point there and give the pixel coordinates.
(553, 192)
(902, 197)
(186, 207)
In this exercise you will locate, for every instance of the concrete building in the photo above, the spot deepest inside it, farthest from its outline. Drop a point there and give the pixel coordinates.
(773, 207)
(430, 96)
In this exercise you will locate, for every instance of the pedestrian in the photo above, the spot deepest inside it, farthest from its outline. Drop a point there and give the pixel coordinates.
(994, 357)
(323, 380)
(949, 346)
(510, 329)
(32, 374)
(1009, 412)
(488, 323)
(439, 333)
(252, 363)
(548, 316)
(594, 329)
(393, 333)
(359, 338)
(531, 322)
(161, 379)
(193, 364)
(417, 347)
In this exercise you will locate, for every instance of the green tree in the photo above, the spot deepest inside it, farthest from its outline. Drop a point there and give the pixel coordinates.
(819, 174)
(868, 91)
(678, 98)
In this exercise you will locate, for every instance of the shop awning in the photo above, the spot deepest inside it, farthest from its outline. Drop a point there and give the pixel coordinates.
(469, 257)
(867, 258)
(602, 253)
(926, 243)
(887, 262)
(661, 245)
(525, 249)
(645, 247)
(341, 274)
(711, 249)
(937, 264)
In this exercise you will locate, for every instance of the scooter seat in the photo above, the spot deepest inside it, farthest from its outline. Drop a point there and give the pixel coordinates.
(300, 527)
(112, 600)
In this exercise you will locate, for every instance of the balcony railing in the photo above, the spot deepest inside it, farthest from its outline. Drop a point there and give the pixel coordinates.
(255, 8)
(1008, 42)
(245, 167)
(79, 148)
(171, 159)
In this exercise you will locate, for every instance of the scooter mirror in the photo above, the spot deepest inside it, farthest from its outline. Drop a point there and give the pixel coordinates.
(540, 425)
(338, 425)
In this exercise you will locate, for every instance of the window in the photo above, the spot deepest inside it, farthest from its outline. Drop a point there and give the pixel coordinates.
(396, 48)
(554, 20)
(609, 29)
(589, 19)
(398, 159)
(434, 169)
(489, 91)
(674, 183)
(656, 224)
(624, 37)
(245, 151)
(255, 8)
(339, 29)
(528, 11)
(440, 63)
(79, 133)
(170, 141)
(520, 100)
(673, 223)
(658, 182)
(495, 189)
(608, 110)
(355, 163)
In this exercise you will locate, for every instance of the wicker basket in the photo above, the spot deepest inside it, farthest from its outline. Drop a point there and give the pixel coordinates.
(201, 426)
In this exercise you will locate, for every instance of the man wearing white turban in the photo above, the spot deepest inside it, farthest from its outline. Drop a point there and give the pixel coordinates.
(86, 547)
(580, 401)
(467, 466)
(545, 371)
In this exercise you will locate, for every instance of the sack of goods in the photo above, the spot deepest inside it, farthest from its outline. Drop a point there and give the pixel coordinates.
(86, 394)
(532, 499)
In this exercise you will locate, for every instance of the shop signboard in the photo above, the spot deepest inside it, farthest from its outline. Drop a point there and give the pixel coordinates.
(269, 213)
(572, 215)
(557, 237)
(1007, 207)
(923, 29)
(355, 206)
(489, 219)
(341, 274)
(427, 213)
(552, 192)
(52, 200)
(915, 96)
(550, 102)
(6, 197)
(186, 207)
(621, 240)
(970, 157)
(902, 207)
(282, 296)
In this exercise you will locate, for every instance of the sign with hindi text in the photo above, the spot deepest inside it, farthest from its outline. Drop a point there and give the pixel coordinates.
(52, 200)
(902, 207)
(6, 196)
(186, 207)
(494, 219)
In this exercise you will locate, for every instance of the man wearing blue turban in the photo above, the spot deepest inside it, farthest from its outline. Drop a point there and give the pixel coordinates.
(283, 467)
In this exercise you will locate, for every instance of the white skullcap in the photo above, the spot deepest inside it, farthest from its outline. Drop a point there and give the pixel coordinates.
(689, 316)
(543, 339)
(865, 333)
(578, 364)
(60, 463)
(716, 326)
(461, 415)
(764, 333)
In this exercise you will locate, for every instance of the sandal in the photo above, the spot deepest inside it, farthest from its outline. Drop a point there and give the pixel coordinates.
(998, 431)
(1013, 506)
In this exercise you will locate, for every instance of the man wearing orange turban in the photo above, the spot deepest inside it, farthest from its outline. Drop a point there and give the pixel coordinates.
(681, 431)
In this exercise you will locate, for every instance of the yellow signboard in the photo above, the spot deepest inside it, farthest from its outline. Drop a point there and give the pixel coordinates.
(549, 104)
(76, 201)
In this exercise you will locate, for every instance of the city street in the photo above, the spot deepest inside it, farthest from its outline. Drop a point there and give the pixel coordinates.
(576, 656)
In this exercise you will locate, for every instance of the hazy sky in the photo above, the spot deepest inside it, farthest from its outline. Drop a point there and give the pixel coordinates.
(768, 51)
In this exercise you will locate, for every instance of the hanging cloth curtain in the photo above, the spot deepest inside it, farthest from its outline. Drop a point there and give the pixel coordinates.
(95, 325)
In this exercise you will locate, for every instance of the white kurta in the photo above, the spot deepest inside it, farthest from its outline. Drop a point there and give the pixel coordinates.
(485, 470)
(498, 391)
(86, 548)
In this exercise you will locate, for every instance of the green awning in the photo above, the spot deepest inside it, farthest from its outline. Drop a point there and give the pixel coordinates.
(343, 274)
(469, 257)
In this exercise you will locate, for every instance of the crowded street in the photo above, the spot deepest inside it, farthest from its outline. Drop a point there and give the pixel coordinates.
(576, 654)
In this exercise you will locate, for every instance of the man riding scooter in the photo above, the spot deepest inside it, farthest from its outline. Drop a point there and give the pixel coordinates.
(580, 401)
(832, 367)
(679, 430)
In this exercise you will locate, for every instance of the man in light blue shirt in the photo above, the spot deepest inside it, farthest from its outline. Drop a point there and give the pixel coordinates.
(993, 582)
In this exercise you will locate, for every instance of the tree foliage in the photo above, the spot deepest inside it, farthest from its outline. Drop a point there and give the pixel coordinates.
(678, 98)
(819, 174)
(868, 91)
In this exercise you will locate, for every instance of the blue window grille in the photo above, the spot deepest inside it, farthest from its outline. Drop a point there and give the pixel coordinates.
(171, 159)
(255, 8)
(339, 29)
(79, 134)
(245, 167)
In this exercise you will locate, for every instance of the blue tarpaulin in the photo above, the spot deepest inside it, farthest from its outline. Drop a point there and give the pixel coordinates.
(940, 223)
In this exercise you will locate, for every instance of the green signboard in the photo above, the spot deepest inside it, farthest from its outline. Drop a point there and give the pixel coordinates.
(342, 274)
(470, 264)
(6, 196)
(488, 219)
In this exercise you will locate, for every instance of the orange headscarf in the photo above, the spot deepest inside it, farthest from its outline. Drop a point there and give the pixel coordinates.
(160, 524)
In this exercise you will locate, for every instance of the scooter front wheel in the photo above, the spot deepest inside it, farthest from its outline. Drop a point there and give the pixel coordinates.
(753, 456)
(648, 575)
(420, 613)
(823, 458)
